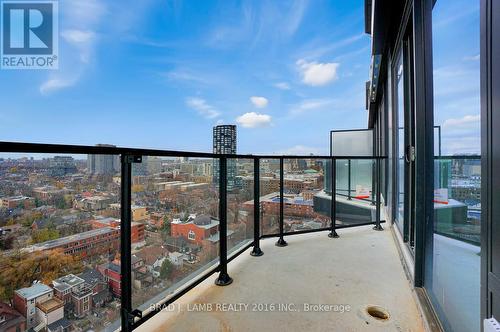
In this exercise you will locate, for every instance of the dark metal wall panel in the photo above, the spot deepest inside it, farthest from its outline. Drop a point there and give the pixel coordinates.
(490, 144)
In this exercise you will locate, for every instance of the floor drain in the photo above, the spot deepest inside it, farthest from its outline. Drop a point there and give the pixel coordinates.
(378, 313)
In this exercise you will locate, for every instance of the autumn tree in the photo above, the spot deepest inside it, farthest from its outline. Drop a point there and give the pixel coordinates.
(44, 234)
(20, 269)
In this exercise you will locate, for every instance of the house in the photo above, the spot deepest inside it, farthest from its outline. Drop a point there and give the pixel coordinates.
(49, 311)
(155, 267)
(62, 325)
(38, 305)
(151, 254)
(112, 275)
(97, 284)
(139, 213)
(176, 258)
(75, 293)
(10, 319)
(195, 229)
(137, 229)
(93, 203)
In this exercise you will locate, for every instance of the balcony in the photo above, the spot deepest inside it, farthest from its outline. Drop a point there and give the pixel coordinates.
(312, 270)
(168, 231)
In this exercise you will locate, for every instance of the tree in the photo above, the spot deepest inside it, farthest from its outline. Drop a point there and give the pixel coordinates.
(21, 269)
(6, 242)
(137, 188)
(166, 269)
(166, 225)
(44, 234)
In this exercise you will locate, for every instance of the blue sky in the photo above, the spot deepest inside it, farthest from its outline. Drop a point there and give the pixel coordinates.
(456, 74)
(161, 74)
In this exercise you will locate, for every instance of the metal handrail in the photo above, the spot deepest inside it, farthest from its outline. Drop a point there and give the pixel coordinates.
(21, 147)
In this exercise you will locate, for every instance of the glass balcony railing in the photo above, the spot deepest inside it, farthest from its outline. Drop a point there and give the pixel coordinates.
(457, 183)
(456, 259)
(110, 236)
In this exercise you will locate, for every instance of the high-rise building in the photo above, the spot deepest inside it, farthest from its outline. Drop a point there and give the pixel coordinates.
(101, 164)
(62, 165)
(224, 138)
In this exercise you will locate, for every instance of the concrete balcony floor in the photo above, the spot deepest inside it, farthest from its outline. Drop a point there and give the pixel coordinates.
(359, 269)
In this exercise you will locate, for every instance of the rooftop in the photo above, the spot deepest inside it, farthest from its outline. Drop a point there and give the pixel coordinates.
(67, 281)
(34, 291)
(50, 305)
(72, 238)
(202, 221)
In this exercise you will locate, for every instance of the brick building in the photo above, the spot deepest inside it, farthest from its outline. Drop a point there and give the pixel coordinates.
(11, 320)
(38, 305)
(75, 294)
(195, 229)
(137, 229)
(14, 202)
(94, 242)
(112, 275)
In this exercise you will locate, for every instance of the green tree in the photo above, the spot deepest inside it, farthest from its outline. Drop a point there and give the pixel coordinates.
(166, 226)
(43, 235)
(166, 269)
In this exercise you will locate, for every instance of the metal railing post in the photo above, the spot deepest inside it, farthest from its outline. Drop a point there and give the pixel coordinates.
(281, 241)
(256, 251)
(333, 207)
(374, 184)
(223, 279)
(377, 226)
(127, 315)
(349, 197)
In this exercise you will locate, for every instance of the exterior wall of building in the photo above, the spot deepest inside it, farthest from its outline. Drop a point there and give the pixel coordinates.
(21, 305)
(224, 142)
(139, 213)
(82, 305)
(185, 230)
(113, 279)
(137, 232)
(28, 307)
(49, 317)
(15, 202)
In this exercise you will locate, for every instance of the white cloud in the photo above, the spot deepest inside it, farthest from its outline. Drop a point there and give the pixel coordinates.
(186, 75)
(78, 36)
(56, 83)
(310, 105)
(300, 150)
(201, 106)
(462, 135)
(464, 122)
(83, 13)
(253, 120)
(318, 48)
(296, 14)
(282, 85)
(79, 21)
(81, 40)
(476, 57)
(317, 74)
(259, 102)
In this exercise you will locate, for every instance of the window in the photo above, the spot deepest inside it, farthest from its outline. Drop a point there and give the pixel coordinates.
(191, 235)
